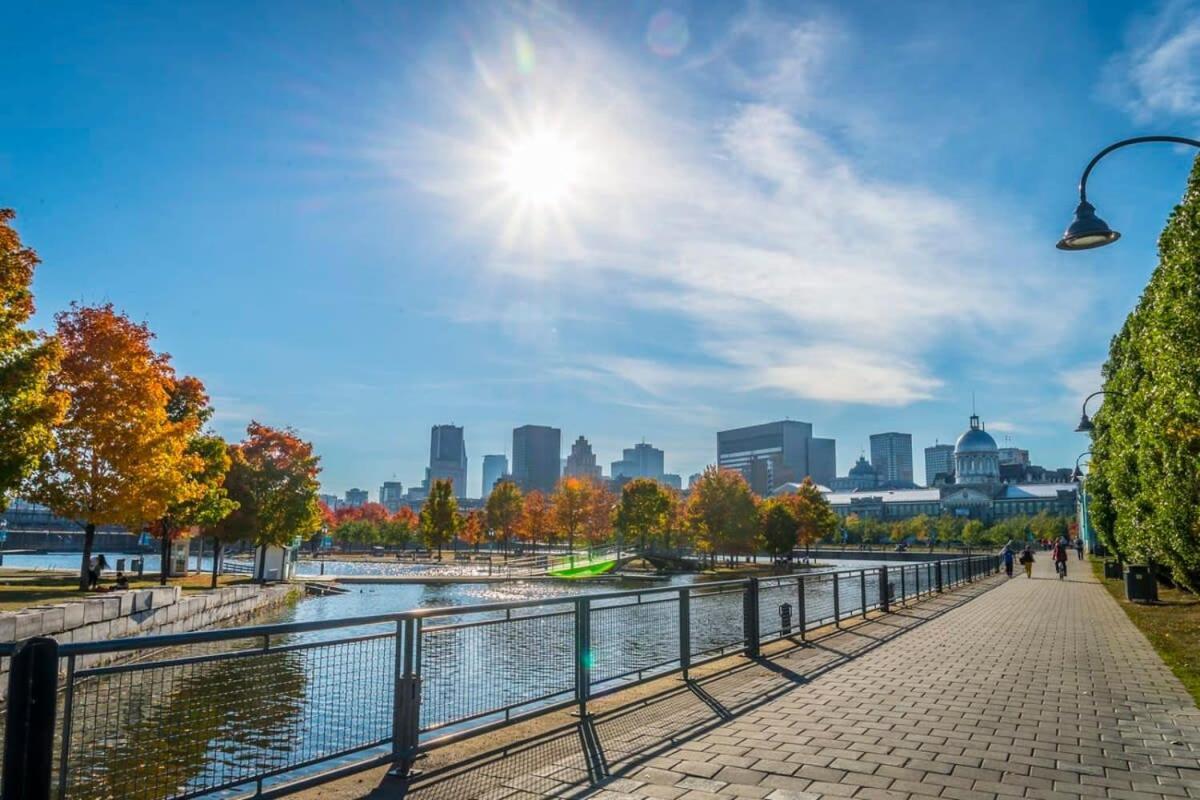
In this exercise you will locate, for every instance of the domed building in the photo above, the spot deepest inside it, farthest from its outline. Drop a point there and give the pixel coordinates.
(976, 456)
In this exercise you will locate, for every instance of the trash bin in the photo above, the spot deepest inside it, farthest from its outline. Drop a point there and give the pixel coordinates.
(1112, 569)
(1140, 586)
(785, 618)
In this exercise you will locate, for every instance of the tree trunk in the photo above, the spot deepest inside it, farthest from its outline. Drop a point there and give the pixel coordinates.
(166, 554)
(216, 560)
(89, 538)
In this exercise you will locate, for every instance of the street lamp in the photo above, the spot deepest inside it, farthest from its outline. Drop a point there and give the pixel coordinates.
(1085, 422)
(1087, 230)
(1078, 473)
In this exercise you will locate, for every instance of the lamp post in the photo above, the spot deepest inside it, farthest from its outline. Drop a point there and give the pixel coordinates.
(1085, 422)
(1087, 230)
(1085, 527)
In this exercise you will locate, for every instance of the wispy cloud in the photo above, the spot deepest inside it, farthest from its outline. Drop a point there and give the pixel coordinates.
(1158, 73)
(745, 226)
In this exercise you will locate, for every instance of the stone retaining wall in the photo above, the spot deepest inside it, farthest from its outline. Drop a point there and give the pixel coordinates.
(138, 612)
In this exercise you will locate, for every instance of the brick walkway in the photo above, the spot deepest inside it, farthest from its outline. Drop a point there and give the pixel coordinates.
(1024, 688)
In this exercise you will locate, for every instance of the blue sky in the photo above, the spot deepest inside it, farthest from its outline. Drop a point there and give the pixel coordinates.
(631, 221)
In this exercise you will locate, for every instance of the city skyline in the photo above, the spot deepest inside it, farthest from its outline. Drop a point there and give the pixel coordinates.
(757, 218)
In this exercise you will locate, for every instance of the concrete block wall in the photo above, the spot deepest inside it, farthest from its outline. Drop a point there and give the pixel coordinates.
(137, 612)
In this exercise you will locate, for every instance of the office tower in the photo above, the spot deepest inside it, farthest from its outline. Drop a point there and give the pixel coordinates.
(331, 501)
(939, 460)
(356, 497)
(774, 453)
(581, 463)
(391, 496)
(892, 457)
(673, 480)
(640, 461)
(495, 467)
(536, 453)
(447, 458)
(1014, 456)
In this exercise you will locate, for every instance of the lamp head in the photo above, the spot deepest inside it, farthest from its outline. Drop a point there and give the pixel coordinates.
(1087, 230)
(1085, 424)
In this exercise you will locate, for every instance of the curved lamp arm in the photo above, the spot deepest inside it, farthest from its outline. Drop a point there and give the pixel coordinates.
(1087, 230)
(1125, 143)
(1079, 457)
(1085, 422)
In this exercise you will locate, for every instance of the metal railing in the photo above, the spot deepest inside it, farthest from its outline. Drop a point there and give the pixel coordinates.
(246, 709)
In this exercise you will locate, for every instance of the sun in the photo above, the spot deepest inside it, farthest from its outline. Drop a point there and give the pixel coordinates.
(541, 169)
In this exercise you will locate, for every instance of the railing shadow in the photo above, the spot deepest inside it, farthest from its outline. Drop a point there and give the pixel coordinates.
(578, 759)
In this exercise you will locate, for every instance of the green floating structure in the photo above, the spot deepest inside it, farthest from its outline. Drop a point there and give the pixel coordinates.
(583, 570)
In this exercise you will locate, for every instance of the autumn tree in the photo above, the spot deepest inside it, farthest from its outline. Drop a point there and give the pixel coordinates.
(972, 533)
(815, 518)
(273, 478)
(504, 510)
(723, 513)
(474, 529)
(203, 500)
(439, 516)
(398, 529)
(572, 502)
(537, 519)
(643, 510)
(598, 522)
(30, 406)
(117, 458)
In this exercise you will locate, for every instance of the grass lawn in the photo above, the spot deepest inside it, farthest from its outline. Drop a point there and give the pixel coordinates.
(584, 570)
(1172, 625)
(22, 588)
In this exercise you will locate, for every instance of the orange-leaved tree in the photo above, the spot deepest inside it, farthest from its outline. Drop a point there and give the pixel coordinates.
(29, 407)
(572, 501)
(117, 457)
(723, 513)
(474, 529)
(815, 518)
(537, 519)
(602, 505)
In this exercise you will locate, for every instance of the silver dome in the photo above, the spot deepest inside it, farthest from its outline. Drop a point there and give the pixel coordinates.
(975, 440)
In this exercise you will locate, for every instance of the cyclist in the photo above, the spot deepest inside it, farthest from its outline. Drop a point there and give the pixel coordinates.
(1061, 554)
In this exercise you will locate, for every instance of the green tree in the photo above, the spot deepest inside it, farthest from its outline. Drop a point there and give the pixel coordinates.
(1144, 478)
(948, 528)
(644, 510)
(29, 407)
(779, 526)
(972, 533)
(439, 516)
(504, 506)
(815, 518)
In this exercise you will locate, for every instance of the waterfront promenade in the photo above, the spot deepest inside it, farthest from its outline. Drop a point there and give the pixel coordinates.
(1024, 688)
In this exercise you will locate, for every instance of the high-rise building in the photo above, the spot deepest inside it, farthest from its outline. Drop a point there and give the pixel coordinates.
(332, 501)
(640, 461)
(673, 480)
(391, 496)
(939, 460)
(356, 497)
(447, 458)
(581, 463)
(695, 476)
(775, 453)
(495, 467)
(536, 453)
(892, 457)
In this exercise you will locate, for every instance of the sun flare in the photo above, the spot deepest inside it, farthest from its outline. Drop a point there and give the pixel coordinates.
(541, 169)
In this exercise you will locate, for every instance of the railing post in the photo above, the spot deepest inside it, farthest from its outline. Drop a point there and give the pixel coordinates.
(406, 700)
(29, 725)
(800, 607)
(837, 603)
(583, 646)
(940, 587)
(750, 617)
(863, 584)
(685, 630)
(903, 587)
(884, 596)
(917, 580)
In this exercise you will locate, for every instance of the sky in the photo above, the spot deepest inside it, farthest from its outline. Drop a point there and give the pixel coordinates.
(632, 221)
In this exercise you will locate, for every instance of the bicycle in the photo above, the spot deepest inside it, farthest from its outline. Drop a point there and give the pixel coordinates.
(1061, 568)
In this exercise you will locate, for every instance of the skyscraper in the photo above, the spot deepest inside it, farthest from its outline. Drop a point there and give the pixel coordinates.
(391, 495)
(356, 497)
(581, 463)
(892, 457)
(939, 460)
(447, 458)
(775, 453)
(536, 453)
(640, 461)
(495, 467)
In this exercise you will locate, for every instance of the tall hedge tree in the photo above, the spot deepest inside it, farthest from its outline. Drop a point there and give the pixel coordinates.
(29, 407)
(1144, 483)
(117, 458)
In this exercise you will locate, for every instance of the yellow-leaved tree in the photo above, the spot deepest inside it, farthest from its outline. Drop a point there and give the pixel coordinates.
(117, 457)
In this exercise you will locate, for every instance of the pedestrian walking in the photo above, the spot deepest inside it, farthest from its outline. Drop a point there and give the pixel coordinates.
(1008, 560)
(97, 565)
(1027, 561)
(1079, 547)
